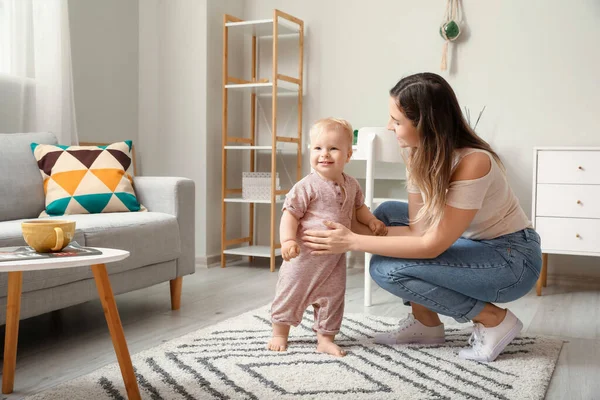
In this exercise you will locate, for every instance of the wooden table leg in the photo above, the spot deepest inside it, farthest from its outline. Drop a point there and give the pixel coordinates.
(541, 282)
(116, 330)
(13, 309)
(545, 269)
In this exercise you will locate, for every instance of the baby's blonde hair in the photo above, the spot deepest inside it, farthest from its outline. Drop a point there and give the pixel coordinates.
(333, 124)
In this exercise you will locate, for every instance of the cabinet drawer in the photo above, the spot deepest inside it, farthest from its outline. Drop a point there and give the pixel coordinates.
(566, 234)
(579, 201)
(568, 167)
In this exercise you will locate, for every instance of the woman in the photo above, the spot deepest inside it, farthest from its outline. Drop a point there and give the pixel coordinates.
(461, 243)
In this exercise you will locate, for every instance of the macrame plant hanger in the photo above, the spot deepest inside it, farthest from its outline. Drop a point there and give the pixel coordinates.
(450, 29)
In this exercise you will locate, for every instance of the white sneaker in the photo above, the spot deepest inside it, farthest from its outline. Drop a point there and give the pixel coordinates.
(412, 331)
(488, 343)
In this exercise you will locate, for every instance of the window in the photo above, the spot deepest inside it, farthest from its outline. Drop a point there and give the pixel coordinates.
(16, 38)
(4, 38)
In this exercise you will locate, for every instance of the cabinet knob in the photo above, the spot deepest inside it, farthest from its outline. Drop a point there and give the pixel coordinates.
(577, 236)
(578, 201)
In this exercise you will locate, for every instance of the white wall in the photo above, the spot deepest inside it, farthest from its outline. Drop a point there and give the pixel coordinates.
(104, 49)
(180, 104)
(212, 202)
(531, 63)
(526, 61)
(172, 92)
(151, 71)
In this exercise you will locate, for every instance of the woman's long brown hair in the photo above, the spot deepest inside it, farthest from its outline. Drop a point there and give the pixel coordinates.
(429, 102)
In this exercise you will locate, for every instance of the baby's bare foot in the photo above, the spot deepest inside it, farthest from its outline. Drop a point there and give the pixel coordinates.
(277, 343)
(330, 348)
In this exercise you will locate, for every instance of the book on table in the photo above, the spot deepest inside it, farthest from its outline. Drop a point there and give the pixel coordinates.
(27, 253)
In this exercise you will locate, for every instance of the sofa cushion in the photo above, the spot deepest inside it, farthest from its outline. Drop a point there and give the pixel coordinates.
(150, 237)
(20, 180)
(87, 179)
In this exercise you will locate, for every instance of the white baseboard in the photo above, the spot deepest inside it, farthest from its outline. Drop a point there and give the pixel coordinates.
(355, 260)
(214, 260)
(208, 261)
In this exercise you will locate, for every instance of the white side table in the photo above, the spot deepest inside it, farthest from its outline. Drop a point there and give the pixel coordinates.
(13, 307)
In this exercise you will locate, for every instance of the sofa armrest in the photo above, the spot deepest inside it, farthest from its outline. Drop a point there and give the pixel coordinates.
(175, 196)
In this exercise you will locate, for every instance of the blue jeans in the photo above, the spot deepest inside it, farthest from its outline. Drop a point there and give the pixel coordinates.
(460, 281)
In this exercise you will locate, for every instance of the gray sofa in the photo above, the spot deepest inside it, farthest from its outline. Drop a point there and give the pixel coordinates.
(161, 241)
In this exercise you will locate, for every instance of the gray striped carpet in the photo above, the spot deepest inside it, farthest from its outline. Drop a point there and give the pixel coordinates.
(229, 361)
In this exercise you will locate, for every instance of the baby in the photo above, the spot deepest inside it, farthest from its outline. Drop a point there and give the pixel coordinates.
(327, 194)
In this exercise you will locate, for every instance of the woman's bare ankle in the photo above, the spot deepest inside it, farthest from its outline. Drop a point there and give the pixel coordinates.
(490, 316)
(425, 315)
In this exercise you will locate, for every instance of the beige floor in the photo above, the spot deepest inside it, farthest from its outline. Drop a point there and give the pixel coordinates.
(60, 346)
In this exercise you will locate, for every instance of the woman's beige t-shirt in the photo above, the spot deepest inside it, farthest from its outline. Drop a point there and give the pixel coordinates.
(499, 212)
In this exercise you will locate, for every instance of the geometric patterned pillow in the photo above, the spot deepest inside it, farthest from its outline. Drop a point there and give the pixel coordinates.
(87, 179)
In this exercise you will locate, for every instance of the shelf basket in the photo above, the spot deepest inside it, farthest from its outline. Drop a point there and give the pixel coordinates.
(257, 186)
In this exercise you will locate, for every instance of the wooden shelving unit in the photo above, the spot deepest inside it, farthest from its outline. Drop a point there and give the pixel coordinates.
(281, 25)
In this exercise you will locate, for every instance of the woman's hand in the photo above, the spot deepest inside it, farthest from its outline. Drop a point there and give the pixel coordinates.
(335, 240)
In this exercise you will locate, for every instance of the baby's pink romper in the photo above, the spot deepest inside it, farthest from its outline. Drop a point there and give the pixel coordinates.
(308, 279)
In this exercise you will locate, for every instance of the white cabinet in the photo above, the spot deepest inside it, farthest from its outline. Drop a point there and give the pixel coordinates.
(566, 202)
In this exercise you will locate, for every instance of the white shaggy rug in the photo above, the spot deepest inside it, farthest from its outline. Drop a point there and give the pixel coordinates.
(229, 361)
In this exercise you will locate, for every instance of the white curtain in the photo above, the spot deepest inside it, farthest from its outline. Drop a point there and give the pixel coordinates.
(36, 78)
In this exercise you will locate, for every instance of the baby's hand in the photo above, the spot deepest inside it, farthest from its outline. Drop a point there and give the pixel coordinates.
(377, 227)
(289, 250)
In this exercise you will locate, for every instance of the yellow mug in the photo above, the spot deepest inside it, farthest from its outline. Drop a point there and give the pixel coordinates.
(47, 235)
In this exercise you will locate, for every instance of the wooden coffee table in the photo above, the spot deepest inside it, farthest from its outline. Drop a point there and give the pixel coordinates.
(13, 306)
